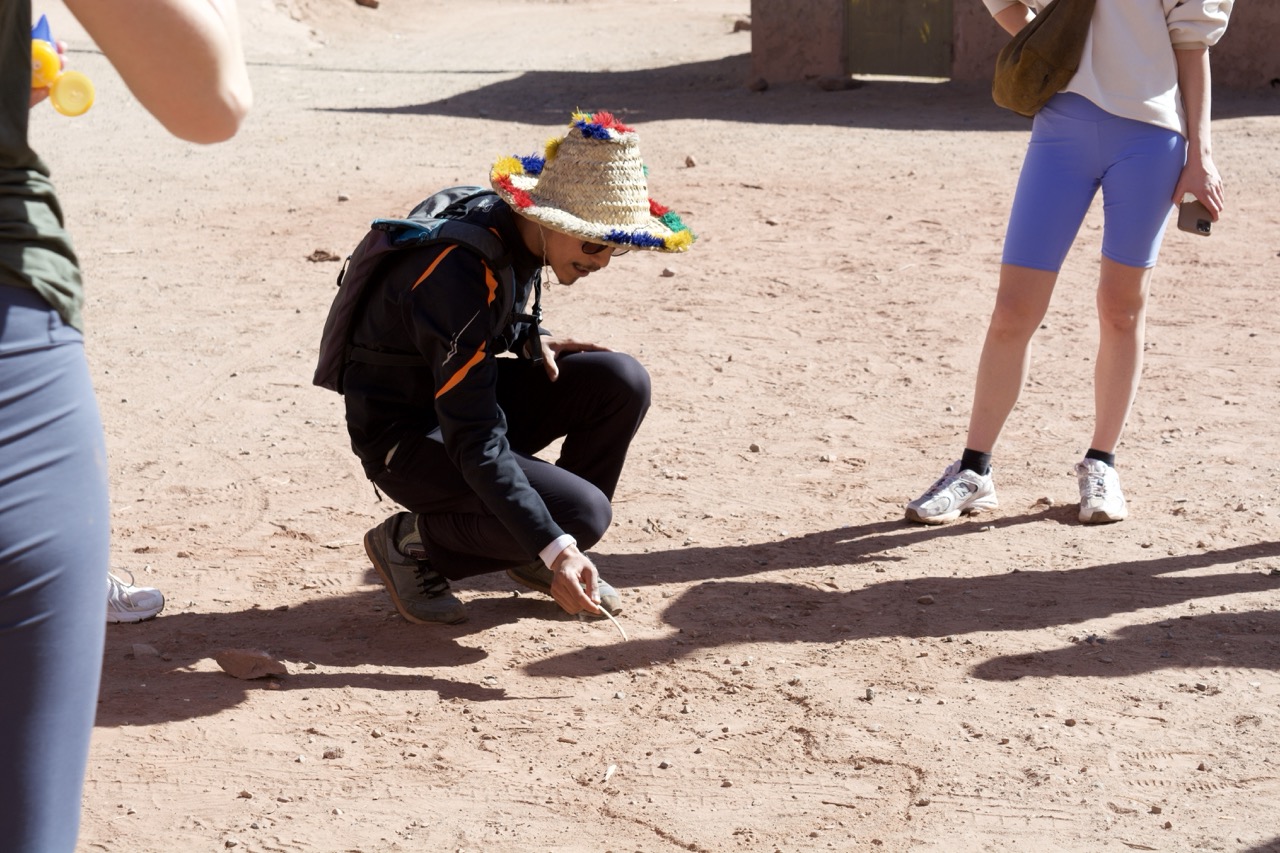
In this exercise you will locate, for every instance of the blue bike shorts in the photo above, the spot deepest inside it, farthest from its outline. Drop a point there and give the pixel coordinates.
(1075, 148)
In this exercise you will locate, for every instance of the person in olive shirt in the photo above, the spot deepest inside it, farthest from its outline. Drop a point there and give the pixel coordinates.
(453, 440)
(183, 61)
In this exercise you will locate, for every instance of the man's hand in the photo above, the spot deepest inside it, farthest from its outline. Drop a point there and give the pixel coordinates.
(551, 347)
(575, 582)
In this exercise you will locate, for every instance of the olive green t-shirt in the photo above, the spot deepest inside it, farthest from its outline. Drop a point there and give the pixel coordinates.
(35, 249)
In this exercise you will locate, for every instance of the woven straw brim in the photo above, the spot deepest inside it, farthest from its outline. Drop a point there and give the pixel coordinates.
(594, 189)
(590, 230)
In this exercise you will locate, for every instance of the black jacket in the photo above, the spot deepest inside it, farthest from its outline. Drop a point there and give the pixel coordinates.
(444, 304)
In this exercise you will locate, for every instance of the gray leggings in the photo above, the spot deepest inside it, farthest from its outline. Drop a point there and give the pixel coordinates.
(53, 573)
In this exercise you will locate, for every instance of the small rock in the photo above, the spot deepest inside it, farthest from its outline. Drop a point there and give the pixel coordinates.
(1156, 810)
(142, 650)
(925, 599)
(754, 448)
(759, 84)
(726, 784)
(245, 795)
(668, 272)
(333, 752)
(742, 25)
(369, 4)
(1070, 721)
(663, 765)
(343, 197)
(689, 162)
(1202, 766)
(323, 255)
(249, 663)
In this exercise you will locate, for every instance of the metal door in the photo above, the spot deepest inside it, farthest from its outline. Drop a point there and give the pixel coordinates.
(900, 37)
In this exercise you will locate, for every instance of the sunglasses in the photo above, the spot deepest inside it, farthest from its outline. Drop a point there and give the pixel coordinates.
(597, 248)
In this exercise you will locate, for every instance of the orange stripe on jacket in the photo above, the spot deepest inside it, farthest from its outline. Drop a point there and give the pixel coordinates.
(462, 372)
(490, 281)
(434, 264)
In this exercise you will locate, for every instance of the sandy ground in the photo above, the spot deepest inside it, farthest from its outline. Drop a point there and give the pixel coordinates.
(805, 670)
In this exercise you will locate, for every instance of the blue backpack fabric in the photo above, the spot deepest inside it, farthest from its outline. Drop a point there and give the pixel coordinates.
(436, 220)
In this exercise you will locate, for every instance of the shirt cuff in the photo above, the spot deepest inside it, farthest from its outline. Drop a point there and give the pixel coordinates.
(549, 553)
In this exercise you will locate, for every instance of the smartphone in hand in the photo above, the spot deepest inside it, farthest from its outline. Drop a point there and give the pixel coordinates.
(1194, 218)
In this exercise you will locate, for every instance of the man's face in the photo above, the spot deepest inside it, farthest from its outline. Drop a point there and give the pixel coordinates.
(571, 259)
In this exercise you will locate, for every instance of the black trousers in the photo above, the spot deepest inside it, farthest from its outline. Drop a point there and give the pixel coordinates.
(596, 406)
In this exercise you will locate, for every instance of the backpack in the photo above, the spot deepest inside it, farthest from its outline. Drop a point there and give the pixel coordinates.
(435, 220)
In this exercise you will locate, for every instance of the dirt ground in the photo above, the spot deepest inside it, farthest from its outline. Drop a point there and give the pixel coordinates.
(805, 671)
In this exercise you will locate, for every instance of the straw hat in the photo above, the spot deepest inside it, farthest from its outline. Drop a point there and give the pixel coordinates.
(591, 184)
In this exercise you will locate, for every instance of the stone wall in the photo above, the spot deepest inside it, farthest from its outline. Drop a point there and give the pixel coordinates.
(797, 39)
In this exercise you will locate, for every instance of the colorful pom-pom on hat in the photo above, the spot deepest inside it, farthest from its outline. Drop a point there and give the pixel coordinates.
(590, 183)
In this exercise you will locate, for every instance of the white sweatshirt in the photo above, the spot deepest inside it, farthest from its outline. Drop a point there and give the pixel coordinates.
(1128, 67)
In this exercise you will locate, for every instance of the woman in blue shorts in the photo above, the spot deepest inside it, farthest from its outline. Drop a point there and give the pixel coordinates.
(1133, 121)
(182, 60)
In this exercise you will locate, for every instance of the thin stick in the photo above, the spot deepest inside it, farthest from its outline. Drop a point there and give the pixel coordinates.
(614, 621)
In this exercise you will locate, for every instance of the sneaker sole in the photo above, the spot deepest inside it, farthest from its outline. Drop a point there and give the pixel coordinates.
(1102, 517)
(913, 514)
(131, 618)
(378, 561)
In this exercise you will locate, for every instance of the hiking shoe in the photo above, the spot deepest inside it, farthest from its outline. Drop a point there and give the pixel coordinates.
(419, 592)
(129, 603)
(1101, 501)
(958, 491)
(537, 576)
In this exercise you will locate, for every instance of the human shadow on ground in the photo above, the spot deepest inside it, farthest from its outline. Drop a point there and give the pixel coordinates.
(1246, 639)
(322, 642)
(724, 613)
(325, 639)
(715, 89)
(1272, 846)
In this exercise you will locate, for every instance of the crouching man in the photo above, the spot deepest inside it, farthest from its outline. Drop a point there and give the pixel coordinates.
(448, 429)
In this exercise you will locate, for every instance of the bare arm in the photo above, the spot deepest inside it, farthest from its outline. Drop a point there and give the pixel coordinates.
(1199, 176)
(1014, 18)
(182, 59)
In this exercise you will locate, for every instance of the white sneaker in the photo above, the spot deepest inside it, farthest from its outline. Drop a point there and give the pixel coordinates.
(129, 603)
(1101, 501)
(958, 491)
